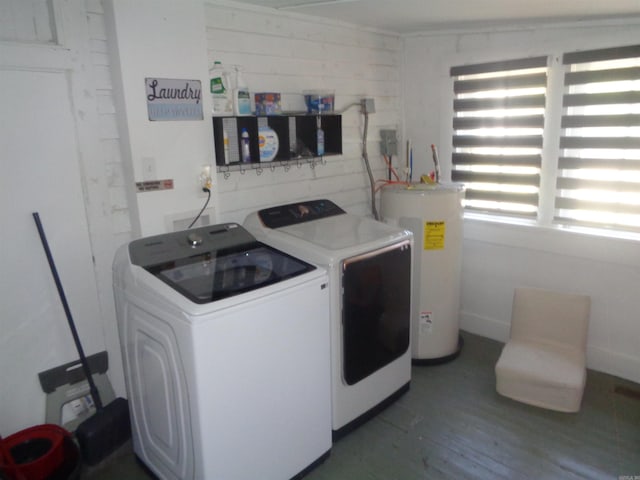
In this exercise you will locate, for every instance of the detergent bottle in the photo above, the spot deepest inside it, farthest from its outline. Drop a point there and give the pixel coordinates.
(220, 89)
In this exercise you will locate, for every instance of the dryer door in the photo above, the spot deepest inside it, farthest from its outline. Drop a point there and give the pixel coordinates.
(376, 309)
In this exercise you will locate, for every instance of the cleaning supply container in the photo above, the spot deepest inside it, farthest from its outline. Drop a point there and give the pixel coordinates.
(220, 89)
(433, 212)
(34, 453)
(319, 101)
(241, 97)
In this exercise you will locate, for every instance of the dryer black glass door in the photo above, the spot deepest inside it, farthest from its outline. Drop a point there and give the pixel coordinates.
(376, 310)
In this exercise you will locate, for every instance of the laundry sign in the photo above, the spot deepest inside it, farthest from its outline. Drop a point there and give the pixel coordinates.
(173, 99)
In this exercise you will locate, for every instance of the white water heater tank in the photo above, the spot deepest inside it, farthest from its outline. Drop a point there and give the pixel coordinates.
(433, 212)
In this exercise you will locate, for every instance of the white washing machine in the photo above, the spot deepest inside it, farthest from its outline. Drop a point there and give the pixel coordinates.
(369, 265)
(225, 349)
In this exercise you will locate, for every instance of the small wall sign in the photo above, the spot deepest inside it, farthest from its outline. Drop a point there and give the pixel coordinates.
(173, 99)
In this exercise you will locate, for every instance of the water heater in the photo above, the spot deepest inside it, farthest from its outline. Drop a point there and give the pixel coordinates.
(433, 212)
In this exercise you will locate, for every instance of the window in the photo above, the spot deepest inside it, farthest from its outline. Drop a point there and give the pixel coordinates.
(598, 180)
(497, 143)
(499, 112)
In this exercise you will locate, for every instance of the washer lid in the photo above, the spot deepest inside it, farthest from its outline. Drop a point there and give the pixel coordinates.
(212, 263)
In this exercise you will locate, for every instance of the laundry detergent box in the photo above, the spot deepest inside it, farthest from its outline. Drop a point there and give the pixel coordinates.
(268, 103)
(319, 101)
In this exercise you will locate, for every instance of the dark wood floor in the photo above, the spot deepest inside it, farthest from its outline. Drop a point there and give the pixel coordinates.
(453, 425)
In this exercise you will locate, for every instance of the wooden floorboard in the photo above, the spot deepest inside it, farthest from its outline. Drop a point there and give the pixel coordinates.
(453, 425)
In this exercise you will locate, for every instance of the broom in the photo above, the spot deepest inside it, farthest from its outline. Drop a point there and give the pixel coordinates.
(109, 427)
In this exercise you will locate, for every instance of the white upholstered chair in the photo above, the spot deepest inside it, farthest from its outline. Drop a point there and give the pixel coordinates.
(544, 361)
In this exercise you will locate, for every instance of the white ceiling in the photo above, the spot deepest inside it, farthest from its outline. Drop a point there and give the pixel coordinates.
(410, 16)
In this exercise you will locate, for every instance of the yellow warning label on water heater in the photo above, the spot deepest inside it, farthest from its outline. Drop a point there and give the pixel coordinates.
(434, 235)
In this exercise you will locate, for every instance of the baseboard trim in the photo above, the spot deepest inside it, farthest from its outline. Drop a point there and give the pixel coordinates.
(598, 358)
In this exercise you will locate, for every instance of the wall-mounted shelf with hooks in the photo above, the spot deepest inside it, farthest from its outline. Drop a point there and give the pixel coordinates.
(297, 140)
(259, 167)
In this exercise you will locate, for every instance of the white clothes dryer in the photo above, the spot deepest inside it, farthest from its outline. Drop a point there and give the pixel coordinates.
(369, 266)
(225, 349)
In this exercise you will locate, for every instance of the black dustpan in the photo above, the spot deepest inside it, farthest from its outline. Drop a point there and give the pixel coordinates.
(109, 427)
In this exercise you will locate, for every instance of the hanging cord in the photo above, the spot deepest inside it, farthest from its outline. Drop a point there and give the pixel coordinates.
(391, 169)
(380, 183)
(208, 191)
(365, 157)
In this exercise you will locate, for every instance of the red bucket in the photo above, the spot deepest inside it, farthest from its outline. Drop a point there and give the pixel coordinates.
(36, 452)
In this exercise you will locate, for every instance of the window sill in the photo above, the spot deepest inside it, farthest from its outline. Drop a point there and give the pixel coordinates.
(557, 240)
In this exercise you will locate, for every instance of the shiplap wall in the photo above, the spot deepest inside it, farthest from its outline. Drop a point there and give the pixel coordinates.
(289, 53)
(115, 206)
(108, 135)
(284, 53)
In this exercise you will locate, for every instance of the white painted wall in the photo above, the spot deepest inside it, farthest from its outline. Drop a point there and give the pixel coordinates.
(497, 258)
(163, 39)
(289, 53)
(56, 161)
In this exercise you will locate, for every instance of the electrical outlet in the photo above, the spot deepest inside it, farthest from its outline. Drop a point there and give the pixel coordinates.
(204, 179)
(149, 169)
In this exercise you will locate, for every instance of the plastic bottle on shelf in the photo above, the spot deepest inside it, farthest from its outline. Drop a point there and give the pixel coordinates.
(241, 97)
(245, 149)
(220, 89)
(225, 141)
(319, 138)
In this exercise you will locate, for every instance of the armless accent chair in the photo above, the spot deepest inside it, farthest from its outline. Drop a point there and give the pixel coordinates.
(544, 361)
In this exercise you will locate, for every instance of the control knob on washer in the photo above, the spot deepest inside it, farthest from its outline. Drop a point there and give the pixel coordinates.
(194, 239)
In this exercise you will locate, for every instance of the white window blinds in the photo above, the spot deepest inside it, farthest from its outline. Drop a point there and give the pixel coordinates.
(598, 182)
(497, 143)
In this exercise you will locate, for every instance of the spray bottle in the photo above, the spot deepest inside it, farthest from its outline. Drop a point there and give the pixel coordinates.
(241, 98)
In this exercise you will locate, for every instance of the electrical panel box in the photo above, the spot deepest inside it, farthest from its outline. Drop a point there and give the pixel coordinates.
(388, 142)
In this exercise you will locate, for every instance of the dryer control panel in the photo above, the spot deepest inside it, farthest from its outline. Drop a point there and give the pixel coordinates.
(293, 213)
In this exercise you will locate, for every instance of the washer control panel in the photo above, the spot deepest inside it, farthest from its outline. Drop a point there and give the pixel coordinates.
(293, 213)
(179, 245)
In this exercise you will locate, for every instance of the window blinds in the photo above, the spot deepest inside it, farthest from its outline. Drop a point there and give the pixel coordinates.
(598, 180)
(498, 125)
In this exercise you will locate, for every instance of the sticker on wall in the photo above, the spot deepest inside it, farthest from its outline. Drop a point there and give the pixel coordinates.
(154, 185)
(434, 235)
(426, 322)
(173, 99)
